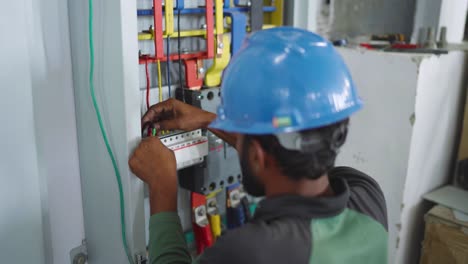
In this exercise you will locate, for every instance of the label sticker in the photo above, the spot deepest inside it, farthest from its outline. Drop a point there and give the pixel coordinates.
(282, 121)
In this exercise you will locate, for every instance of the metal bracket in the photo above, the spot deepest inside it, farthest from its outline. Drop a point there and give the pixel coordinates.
(212, 206)
(79, 255)
(201, 218)
(256, 15)
(238, 27)
(235, 197)
(213, 75)
(219, 23)
(194, 73)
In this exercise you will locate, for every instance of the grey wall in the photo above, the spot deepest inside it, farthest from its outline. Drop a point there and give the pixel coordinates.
(341, 18)
(356, 17)
(427, 15)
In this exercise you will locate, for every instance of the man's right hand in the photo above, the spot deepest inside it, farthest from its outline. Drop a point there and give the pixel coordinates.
(173, 114)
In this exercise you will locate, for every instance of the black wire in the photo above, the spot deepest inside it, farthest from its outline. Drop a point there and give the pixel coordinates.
(168, 66)
(180, 60)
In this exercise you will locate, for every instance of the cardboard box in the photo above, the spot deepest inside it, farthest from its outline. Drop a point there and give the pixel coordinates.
(445, 238)
(463, 148)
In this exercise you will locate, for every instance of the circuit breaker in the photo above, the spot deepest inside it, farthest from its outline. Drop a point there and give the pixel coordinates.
(189, 148)
(221, 167)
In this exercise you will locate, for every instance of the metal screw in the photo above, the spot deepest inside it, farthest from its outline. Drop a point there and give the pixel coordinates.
(79, 259)
(201, 70)
(201, 212)
(443, 38)
(203, 26)
(430, 41)
(220, 45)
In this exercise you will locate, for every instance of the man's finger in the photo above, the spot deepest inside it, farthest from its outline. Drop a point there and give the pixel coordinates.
(155, 141)
(153, 113)
(157, 111)
(167, 125)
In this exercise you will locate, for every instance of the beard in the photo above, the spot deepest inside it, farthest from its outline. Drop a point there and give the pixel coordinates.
(249, 180)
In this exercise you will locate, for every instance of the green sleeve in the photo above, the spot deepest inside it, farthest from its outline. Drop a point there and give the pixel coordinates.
(166, 240)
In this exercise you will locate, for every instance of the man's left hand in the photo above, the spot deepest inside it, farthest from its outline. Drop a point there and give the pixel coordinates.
(155, 164)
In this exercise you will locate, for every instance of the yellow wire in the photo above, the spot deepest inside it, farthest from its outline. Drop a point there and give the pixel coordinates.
(160, 82)
(160, 89)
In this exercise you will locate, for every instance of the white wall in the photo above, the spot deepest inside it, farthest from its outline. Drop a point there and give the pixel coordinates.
(20, 204)
(405, 135)
(440, 83)
(117, 93)
(40, 207)
(380, 134)
(453, 15)
(55, 126)
(303, 14)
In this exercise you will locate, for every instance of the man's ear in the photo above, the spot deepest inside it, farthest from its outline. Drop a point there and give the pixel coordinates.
(257, 157)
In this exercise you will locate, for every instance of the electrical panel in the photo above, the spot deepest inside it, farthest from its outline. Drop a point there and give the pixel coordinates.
(138, 58)
(184, 46)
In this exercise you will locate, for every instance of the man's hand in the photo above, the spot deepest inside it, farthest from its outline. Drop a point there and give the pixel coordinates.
(173, 114)
(156, 165)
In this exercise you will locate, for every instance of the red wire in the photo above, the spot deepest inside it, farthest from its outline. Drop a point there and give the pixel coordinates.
(147, 85)
(147, 90)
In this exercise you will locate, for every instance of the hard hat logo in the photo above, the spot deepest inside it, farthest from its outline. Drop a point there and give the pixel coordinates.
(284, 80)
(282, 121)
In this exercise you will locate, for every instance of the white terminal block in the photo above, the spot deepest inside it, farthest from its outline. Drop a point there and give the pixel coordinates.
(190, 148)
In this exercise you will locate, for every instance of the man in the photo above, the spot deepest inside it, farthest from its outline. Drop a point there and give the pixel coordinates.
(286, 100)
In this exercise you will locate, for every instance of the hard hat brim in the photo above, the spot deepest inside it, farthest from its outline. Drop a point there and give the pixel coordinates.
(264, 128)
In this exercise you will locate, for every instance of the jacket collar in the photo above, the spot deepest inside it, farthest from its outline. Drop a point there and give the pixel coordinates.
(305, 207)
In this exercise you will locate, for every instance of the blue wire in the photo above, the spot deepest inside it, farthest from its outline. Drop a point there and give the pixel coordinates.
(149, 12)
(168, 50)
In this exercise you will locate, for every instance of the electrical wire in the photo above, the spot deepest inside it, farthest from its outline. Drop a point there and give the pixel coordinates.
(179, 53)
(147, 85)
(159, 88)
(168, 50)
(147, 90)
(103, 132)
(160, 82)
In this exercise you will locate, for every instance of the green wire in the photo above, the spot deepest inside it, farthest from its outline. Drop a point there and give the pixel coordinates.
(103, 133)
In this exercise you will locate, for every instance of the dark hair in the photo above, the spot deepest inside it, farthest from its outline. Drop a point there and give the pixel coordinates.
(319, 148)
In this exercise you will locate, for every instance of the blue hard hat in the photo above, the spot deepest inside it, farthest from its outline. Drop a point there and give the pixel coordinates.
(283, 80)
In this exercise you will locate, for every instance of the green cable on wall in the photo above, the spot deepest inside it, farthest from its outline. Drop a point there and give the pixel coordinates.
(103, 132)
